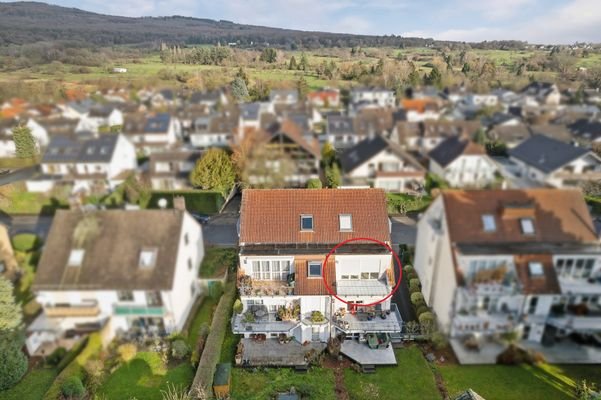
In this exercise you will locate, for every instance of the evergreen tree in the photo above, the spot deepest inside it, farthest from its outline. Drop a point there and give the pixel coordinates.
(293, 64)
(214, 171)
(303, 87)
(269, 55)
(25, 144)
(333, 177)
(13, 363)
(304, 62)
(434, 78)
(328, 154)
(239, 89)
(243, 75)
(480, 137)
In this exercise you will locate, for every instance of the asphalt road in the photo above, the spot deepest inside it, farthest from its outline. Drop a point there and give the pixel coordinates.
(221, 230)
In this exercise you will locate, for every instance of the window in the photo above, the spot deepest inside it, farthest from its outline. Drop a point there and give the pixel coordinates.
(488, 221)
(189, 264)
(274, 270)
(354, 276)
(314, 269)
(153, 299)
(344, 277)
(346, 222)
(148, 258)
(533, 304)
(186, 239)
(374, 275)
(535, 268)
(364, 275)
(527, 226)
(256, 270)
(125, 295)
(306, 222)
(76, 257)
(588, 268)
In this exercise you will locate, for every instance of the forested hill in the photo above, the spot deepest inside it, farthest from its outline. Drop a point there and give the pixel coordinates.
(29, 22)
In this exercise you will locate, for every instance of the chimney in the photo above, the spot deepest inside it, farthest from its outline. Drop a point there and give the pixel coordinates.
(179, 203)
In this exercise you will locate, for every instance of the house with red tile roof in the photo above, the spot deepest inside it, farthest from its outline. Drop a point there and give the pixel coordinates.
(291, 290)
(497, 261)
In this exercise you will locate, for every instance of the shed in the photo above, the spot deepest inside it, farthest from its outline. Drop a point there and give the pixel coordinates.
(222, 380)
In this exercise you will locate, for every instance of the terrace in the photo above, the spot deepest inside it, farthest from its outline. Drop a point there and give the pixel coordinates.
(250, 287)
(272, 352)
(369, 319)
(257, 318)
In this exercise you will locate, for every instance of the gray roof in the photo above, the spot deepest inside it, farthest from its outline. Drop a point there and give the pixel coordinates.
(62, 149)
(546, 154)
(101, 111)
(279, 93)
(158, 123)
(451, 148)
(368, 148)
(339, 124)
(82, 106)
(250, 110)
(111, 258)
(199, 97)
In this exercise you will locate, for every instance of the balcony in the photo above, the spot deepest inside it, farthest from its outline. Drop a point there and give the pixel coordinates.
(62, 310)
(578, 317)
(136, 310)
(256, 318)
(251, 287)
(485, 322)
(369, 320)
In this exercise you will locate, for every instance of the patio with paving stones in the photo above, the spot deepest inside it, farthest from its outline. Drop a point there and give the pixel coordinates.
(271, 352)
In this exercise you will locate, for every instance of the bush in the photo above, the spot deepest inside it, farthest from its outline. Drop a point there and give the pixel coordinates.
(414, 290)
(72, 387)
(426, 318)
(414, 283)
(411, 275)
(71, 354)
(408, 268)
(422, 308)
(314, 184)
(238, 307)
(417, 298)
(56, 356)
(439, 340)
(95, 374)
(127, 351)
(317, 317)
(25, 242)
(179, 349)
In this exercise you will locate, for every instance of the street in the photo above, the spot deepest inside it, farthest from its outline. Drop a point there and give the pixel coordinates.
(18, 175)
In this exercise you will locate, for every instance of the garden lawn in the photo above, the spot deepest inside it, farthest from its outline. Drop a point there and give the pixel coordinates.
(401, 203)
(216, 261)
(410, 379)
(145, 377)
(33, 385)
(16, 199)
(263, 384)
(499, 382)
(203, 315)
(197, 201)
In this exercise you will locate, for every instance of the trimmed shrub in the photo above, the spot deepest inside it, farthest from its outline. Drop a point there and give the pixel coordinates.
(408, 268)
(439, 340)
(414, 290)
(421, 309)
(426, 318)
(176, 336)
(73, 388)
(56, 356)
(314, 184)
(71, 354)
(417, 298)
(25, 242)
(238, 306)
(127, 351)
(179, 349)
(414, 283)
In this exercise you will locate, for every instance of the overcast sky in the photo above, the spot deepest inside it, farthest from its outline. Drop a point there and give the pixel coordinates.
(537, 21)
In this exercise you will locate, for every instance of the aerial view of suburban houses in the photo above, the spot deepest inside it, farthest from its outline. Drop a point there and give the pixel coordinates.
(199, 207)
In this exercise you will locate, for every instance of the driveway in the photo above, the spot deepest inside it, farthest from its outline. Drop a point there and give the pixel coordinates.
(404, 230)
(221, 230)
(18, 175)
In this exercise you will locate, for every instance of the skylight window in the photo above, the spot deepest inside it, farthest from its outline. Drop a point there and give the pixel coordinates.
(306, 222)
(76, 257)
(148, 258)
(535, 268)
(527, 225)
(488, 221)
(346, 222)
(314, 270)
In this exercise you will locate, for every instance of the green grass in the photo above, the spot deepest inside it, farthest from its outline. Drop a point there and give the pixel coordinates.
(27, 262)
(263, 384)
(203, 315)
(16, 199)
(33, 385)
(16, 163)
(499, 382)
(216, 261)
(197, 201)
(410, 379)
(144, 377)
(25, 242)
(401, 203)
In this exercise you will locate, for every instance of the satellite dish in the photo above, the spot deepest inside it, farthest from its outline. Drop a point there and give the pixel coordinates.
(162, 203)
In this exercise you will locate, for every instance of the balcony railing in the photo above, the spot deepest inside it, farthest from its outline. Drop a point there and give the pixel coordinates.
(72, 310)
(268, 322)
(389, 321)
(151, 311)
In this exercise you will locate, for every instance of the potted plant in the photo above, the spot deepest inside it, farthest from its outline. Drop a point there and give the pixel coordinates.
(317, 317)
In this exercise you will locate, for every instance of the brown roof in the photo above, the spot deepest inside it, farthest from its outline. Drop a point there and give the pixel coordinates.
(111, 259)
(531, 284)
(313, 286)
(560, 216)
(294, 133)
(273, 216)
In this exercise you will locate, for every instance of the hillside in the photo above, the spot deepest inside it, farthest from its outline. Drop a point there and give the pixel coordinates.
(30, 22)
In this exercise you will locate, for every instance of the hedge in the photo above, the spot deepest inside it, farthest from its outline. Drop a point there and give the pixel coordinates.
(71, 354)
(25, 242)
(75, 367)
(212, 349)
(197, 201)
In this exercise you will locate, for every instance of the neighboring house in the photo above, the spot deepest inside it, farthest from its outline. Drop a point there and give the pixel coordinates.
(329, 98)
(209, 99)
(426, 135)
(100, 118)
(214, 131)
(340, 132)
(77, 109)
(103, 161)
(372, 97)
(163, 98)
(480, 100)
(501, 119)
(382, 164)
(585, 130)
(170, 170)
(9, 268)
(497, 261)
(283, 96)
(106, 270)
(511, 135)
(462, 163)
(7, 144)
(285, 235)
(551, 162)
(250, 117)
(152, 133)
(544, 93)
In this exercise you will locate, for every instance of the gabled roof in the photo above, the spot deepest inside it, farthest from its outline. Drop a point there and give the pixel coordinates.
(211, 96)
(339, 124)
(101, 111)
(294, 133)
(559, 216)
(453, 147)
(546, 154)
(370, 147)
(73, 150)
(158, 123)
(273, 216)
(111, 259)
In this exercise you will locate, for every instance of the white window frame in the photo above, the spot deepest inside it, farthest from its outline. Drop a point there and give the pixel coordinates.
(536, 268)
(345, 222)
(307, 216)
(488, 223)
(527, 226)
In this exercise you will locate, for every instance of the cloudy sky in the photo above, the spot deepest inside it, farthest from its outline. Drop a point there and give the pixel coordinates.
(537, 21)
